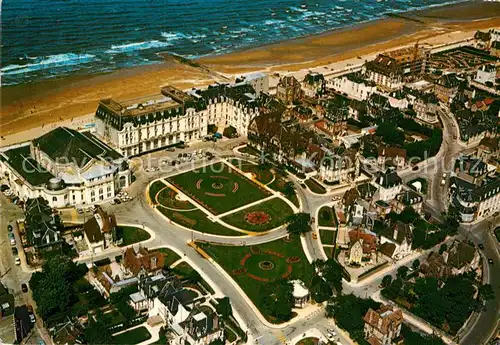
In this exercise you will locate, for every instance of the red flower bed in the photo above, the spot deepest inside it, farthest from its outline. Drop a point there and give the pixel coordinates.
(289, 270)
(270, 252)
(215, 194)
(235, 187)
(244, 259)
(292, 259)
(198, 183)
(257, 218)
(260, 279)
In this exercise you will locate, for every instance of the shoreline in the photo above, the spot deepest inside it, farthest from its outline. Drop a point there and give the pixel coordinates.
(28, 106)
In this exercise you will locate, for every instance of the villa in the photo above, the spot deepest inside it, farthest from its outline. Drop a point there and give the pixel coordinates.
(383, 325)
(396, 240)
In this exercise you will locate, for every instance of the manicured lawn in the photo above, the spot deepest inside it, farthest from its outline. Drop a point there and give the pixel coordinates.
(167, 198)
(154, 189)
(197, 220)
(133, 235)
(244, 264)
(262, 172)
(279, 185)
(135, 336)
(308, 341)
(274, 213)
(327, 236)
(169, 256)
(218, 188)
(314, 186)
(422, 180)
(184, 269)
(326, 216)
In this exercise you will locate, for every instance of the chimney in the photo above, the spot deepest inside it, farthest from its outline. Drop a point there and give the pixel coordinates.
(396, 231)
(154, 261)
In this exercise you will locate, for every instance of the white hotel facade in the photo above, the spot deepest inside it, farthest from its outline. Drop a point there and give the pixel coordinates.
(174, 117)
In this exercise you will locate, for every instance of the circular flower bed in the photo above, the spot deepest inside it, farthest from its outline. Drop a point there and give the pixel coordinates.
(217, 185)
(257, 218)
(266, 265)
(292, 259)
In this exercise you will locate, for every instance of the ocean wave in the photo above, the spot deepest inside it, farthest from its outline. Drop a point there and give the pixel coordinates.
(273, 21)
(131, 47)
(46, 62)
(175, 36)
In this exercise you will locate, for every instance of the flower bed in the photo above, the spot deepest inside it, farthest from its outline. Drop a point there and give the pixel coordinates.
(257, 218)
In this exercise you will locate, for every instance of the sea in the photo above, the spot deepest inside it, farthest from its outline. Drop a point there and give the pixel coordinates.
(44, 39)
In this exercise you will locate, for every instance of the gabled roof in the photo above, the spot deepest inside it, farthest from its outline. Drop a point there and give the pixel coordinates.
(369, 241)
(149, 261)
(461, 254)
(409, 197)
(398, 233)
(388, 179)
(391, 152)
(385, 319)
(448, 81)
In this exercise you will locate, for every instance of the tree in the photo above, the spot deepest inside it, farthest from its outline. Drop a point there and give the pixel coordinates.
(223, 307)
(278, 299)
(443, 248)
(486, 292)
(97, 333)
(402, 272)
(416, 264)
(320, 289)
(331, 271)
(289, 189)
(299, 223)
(386, 281)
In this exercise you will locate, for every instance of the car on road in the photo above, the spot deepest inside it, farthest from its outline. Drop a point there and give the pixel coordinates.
(490, 261)
(443, 182)
(17, 260)
(303, 186)
(331, 331)
(314, 236)
(170, 149)
(9, 228)
(330, 336)
(481, 246)
(24, 287)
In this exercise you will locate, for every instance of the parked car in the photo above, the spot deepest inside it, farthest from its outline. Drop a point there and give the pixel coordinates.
(14, 251)
(32, 318)
(117, 201)
(9, 228)
(415, 168)
(490, 261)
(170, 149)
(17, 261)
(24, 287)
(4, 188)
(80, 210)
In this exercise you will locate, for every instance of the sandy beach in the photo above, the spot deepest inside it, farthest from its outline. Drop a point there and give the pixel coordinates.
(29, 106)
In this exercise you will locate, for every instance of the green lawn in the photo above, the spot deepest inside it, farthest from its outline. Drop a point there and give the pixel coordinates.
(326, 216)
(230, 336)
(314, 186)
(327, 236)
(279, 185)
(276, 209)
(255, 281)
(167, 198)
(133, 235)
(169, 256)
(308, 341)
(218, 188)
(197, 220)
(154, 189)
(135, 336)
(263, 173)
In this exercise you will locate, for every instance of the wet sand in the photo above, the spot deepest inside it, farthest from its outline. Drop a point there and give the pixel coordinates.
(29, 106)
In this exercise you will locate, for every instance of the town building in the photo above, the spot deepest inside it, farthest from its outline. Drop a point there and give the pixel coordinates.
(101, 231)
(391, 157)
(42, 226)
(495, 48)
(435, 266)
(388, 185)
(143, 263)
(313, 84)
(409, 198)
(65, 167)
(461, 257)
(258, 80)
(396, 240)
(385, 72)
(486, 74)
(174, 117)
(288, 90)
(362, 247)
(426, 107)
(473, 190)
(447, 87)
(354, 85)
(382, 326)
